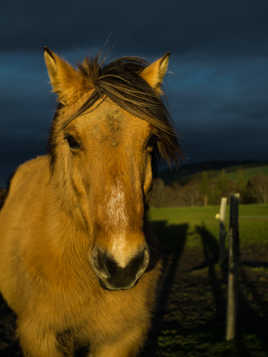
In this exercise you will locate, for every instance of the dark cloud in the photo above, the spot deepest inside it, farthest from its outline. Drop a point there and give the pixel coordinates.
(220, 106)
(226, 143)
(147, 26)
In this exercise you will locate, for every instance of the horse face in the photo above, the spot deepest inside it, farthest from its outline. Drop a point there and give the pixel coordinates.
(101, 157)
(109, 158)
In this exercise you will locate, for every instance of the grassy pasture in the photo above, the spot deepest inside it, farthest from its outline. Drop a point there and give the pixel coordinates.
(192, 307)
(247, 173)
(253, 221)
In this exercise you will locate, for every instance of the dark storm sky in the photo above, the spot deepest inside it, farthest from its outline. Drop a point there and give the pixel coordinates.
(217, 84)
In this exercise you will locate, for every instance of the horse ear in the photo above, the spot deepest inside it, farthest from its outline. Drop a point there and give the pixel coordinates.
(155, 72)
(66, 81)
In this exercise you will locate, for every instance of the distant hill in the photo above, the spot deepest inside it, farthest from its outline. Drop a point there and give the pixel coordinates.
(205, 183)
(249, 168)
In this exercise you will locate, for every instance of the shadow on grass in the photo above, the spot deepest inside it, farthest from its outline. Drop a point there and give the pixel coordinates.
(172, 242)
(211, 254)
(254, 264)
(252, 316)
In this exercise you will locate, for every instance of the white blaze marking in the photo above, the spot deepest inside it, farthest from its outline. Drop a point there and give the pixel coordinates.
(116, 206)
(117, 215)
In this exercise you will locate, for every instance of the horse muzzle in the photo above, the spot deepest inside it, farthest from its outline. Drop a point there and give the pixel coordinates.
(112, 276)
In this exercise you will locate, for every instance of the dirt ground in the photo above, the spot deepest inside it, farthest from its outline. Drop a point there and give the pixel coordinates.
(190, 314)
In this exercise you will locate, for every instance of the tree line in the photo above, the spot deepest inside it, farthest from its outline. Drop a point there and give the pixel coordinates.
(207, 188)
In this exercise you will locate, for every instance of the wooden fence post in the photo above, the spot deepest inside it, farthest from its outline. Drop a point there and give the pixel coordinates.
(232, 294)
(221, 216)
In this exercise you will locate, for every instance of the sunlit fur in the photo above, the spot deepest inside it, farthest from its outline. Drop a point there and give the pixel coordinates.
(64, 206)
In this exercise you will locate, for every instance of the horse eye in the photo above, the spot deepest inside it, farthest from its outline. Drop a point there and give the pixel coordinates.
(151, 143)
(73, 143)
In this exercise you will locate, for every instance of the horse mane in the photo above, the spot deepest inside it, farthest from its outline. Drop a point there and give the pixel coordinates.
(121, 82)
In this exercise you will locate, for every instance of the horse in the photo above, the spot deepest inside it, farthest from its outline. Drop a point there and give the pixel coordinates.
(78, 263)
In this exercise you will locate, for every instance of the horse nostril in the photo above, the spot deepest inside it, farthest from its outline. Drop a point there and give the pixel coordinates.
(99, 264)
(140, 263)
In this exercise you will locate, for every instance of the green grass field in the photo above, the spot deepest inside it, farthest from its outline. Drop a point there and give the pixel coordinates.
(247, 172)
(253, 221)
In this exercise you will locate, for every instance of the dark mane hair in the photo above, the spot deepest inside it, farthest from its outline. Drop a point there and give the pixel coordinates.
(121, 82)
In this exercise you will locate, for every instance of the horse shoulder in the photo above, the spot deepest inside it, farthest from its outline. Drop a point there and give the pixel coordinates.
(19, 217)
(23, 200)
(26, 178)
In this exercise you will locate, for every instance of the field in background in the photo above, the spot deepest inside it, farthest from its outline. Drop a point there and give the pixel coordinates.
(253, 221)
(247, 172)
